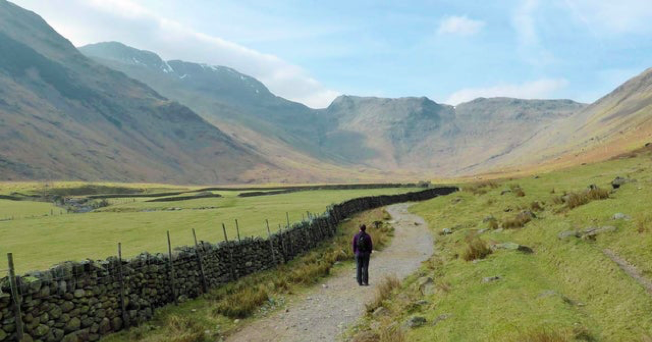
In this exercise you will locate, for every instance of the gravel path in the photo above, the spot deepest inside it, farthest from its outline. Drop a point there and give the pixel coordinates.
(325, 311)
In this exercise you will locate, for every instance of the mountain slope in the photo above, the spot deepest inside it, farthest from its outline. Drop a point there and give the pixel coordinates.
(393, 135)
(617, 123)
(420, 134)
(64, 116)
(221, 95)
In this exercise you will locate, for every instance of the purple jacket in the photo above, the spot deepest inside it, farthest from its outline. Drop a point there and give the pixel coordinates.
(355, 243)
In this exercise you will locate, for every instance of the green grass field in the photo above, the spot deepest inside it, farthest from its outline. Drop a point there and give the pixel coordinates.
(566, 290)
(40, 242)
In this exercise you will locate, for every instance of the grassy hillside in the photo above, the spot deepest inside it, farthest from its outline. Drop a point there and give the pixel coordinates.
(41, 241)
(567, 289)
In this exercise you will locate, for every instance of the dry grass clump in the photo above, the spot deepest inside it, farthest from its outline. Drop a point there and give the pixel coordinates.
(643, 224)
(476, 248)
(391, 332)
(542, 336)
(383, 292)
(184, 329)
(517, 221)
(481, 188)
(576, 199)
(242, 303)
(536, 206)
(492, 223)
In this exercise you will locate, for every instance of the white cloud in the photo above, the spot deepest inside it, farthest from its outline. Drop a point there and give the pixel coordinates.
(126, 21)
(623, 16)
(524, 23)
(538, 89)
(460, 25)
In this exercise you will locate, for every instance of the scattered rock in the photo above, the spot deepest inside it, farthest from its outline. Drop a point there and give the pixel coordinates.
(440, 318)
(482, 231)
(512, 246)
(236, 321)
(488, 218)
(505, 191)
(446, 231)
(620, 216)
(567, 234)
(591, 232)
(490, 279)
(324, 286)
(415, 322)
(426, 286)
(620, 181)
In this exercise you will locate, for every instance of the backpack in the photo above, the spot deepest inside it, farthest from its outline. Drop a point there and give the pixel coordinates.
(362, 245)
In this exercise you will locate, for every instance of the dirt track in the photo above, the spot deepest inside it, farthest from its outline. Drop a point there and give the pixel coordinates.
(325, 311)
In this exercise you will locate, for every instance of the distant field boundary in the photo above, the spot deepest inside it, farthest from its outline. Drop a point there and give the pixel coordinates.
(261, 191)
(86, 300)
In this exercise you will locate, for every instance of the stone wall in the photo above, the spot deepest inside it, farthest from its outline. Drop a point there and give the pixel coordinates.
(82, 301)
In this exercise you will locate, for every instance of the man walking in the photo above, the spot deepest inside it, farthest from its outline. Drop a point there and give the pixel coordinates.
(362, 247)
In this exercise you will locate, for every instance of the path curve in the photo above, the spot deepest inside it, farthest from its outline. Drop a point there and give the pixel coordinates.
(324, 312)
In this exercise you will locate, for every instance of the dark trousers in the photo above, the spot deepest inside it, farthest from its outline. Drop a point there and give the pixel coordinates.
(362, 262)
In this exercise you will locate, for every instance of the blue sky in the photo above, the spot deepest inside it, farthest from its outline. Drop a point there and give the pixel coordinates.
(449, 51)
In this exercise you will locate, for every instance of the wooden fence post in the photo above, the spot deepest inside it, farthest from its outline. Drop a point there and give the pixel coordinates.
(226, 238)
(237, 229)
(172, 275)
(224, 230)
(200, 262)
(271, 243)
(15, 297)
(123, 307)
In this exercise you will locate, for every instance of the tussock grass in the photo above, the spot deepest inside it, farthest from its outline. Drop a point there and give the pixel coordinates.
(492, 223)
(242, 303)
(391, 332)
(576, 199)
(476, 248)
(518, 221)
(542, 335)
(481, 188)
(644, 223)
(383, 292)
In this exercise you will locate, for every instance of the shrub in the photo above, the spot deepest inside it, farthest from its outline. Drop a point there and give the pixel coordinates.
(383, 292)
(476, 249)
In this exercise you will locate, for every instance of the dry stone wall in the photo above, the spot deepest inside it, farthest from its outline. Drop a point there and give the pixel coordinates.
(81, 301)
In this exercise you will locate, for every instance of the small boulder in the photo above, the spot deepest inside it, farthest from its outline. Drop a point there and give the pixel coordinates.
(426, 286)
(440, 318)
(567, 234)
(415, 322)
(490, 279)
(446, 231)
(591, 232)
(620, 181)
(620, 216)
(505, 191)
